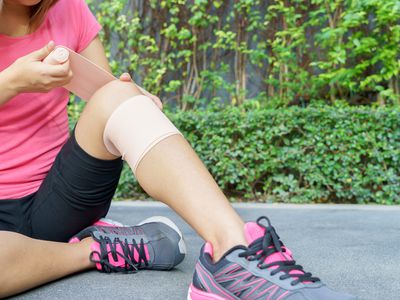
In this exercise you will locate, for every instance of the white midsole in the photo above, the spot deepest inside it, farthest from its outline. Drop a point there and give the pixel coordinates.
(112, 222)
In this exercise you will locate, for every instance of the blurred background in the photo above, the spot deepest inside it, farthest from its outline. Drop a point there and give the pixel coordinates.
(284, 101)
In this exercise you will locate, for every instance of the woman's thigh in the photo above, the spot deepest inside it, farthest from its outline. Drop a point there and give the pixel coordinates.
(76, 192)
(14, 215)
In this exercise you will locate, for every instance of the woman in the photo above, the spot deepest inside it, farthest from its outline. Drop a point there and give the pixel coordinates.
(54, 186)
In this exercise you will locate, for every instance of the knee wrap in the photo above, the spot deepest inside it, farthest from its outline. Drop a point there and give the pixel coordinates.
(135, 127)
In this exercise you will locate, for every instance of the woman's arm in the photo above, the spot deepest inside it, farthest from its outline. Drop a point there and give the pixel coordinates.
(7, 88)
(95, 53)
(29, 74)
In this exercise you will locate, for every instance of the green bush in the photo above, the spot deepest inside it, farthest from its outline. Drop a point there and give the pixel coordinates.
(279, 52)
(319, 154)
(199, 55)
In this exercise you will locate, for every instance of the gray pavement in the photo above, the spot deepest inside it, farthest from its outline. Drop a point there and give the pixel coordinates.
(352, 248)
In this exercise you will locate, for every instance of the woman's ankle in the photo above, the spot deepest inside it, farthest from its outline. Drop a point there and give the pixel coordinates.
(84, 252)
(225, 243)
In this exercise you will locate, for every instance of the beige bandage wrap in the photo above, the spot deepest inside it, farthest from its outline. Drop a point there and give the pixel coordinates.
(135, 127)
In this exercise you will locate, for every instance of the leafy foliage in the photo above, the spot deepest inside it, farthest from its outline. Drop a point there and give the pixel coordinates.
(235, 74)
(317, 154)
(279, 52)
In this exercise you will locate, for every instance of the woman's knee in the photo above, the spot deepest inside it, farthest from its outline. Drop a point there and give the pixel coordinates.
(118, 90)
(8, 237)
(90, 128)
(110, 96)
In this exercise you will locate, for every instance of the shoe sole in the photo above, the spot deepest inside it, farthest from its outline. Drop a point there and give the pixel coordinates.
(196, 294)
(169, 223)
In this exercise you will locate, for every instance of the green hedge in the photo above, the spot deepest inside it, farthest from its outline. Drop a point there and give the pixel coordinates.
(320, 154)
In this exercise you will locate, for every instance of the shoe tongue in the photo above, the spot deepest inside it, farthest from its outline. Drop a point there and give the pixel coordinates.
(253, 232)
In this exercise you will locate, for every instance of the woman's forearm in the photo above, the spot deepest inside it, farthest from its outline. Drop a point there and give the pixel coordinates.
(7, 89)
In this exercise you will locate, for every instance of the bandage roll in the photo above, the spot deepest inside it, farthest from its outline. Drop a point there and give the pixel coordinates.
(57, 56)
(134, 128)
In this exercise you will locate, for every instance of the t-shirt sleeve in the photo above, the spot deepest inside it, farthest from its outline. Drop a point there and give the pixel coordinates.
(86, 25)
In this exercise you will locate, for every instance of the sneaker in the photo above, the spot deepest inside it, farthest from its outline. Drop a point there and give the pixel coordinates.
(100, 222)
(154, 244)
(263, 270)
(108, 222)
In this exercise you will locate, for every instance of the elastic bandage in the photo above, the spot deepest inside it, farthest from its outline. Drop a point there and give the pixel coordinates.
(134, 128)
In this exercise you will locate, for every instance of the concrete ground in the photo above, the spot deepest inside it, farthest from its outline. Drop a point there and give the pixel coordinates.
(352, 248)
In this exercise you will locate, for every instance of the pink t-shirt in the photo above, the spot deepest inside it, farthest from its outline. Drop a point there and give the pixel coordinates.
(34, 126)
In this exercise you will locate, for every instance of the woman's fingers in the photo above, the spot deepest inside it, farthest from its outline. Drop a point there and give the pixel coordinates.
(59, 82)
(60, 74)
(125, 77)
(155, 99)
(43, 52)
(61, 70)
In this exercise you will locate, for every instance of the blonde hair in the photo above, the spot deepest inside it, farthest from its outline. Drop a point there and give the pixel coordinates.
(39, 12)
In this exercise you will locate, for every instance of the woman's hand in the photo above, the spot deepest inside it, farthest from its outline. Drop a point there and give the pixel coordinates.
(29, 74)
(127, 78)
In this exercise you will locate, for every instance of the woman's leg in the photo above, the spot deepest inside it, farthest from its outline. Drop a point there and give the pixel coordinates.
(36, 262)
(170, 172)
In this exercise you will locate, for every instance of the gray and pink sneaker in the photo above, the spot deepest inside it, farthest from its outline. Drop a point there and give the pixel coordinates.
(154, 244)
(101, 222)
(263, 270)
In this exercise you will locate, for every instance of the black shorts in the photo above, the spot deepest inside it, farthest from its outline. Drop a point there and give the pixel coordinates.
(76, 192)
